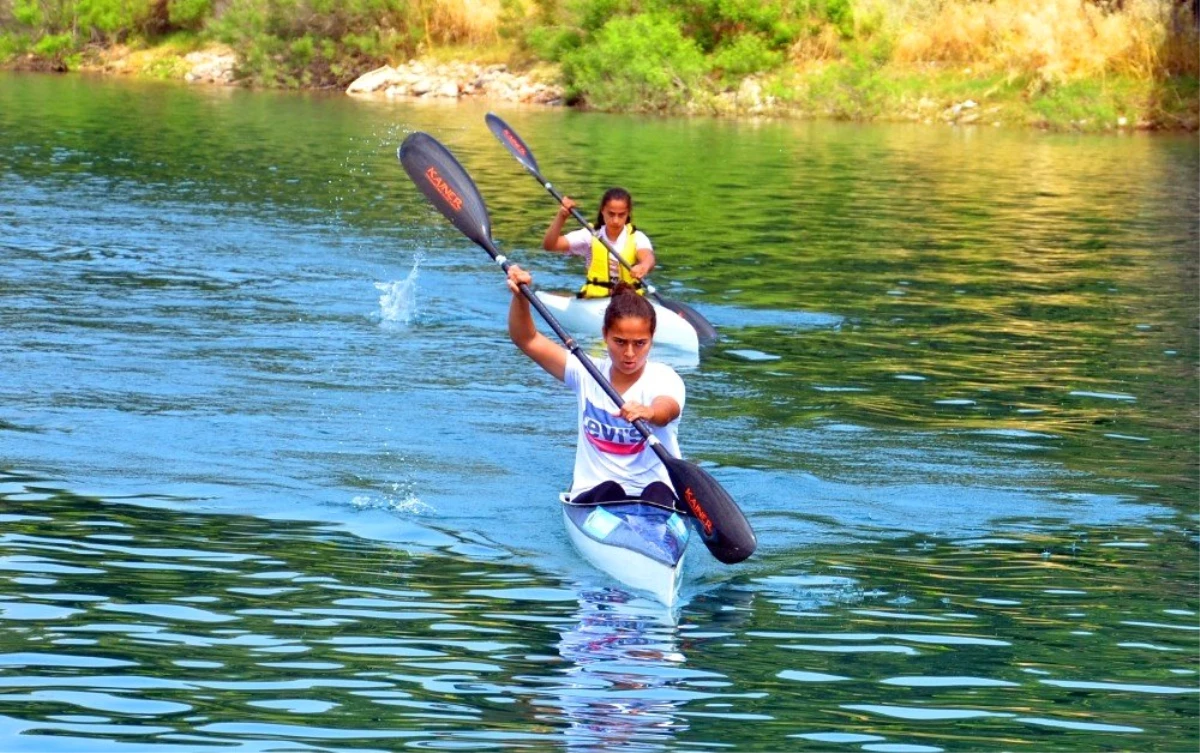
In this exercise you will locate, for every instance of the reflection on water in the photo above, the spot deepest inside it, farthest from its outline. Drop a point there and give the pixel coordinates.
(272, 476)
(132, 628)
(624, 660)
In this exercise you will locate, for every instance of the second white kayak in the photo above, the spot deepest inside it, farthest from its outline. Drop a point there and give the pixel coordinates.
(585, 317)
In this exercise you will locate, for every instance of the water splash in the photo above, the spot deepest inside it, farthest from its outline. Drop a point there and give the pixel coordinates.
(398, 303)
(406, 505)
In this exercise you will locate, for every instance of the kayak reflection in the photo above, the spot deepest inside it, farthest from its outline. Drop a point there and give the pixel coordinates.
(625, 675)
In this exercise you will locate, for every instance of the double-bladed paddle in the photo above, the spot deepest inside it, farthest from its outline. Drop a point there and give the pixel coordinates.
(706, 333)
(719, 521)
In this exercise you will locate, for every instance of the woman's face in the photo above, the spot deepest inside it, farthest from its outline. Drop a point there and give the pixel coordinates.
(628, 340)
(616, 214)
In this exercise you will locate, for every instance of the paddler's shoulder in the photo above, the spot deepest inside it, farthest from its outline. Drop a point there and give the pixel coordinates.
(661, 369)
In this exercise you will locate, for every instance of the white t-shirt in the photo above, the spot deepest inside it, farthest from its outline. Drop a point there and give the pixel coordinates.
(581, 245)
(609, 447)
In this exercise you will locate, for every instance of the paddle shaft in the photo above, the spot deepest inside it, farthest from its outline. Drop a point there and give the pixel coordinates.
(438, 175)
(705, 332)
(596, 232)
(518, 149)
(576, 351)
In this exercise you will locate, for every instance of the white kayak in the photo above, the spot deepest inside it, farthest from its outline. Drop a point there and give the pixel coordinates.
(638, 543)
(585, 317)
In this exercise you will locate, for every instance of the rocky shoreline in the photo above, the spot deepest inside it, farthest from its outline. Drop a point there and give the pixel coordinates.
(416, 79)
(455, 80)
(217, 64)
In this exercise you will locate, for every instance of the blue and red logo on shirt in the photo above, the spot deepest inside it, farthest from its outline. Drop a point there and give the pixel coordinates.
(611, 434)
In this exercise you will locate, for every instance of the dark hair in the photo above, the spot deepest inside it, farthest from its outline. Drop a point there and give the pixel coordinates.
(627, 304)
(620, 194)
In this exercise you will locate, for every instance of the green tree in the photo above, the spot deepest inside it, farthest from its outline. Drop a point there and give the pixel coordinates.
(636, 62)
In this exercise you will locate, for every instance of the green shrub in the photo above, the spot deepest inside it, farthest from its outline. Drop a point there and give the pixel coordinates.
(362, 44)
(301, 51)
(12, 45)
(745, 55)
(317, 42)
(717, 23)
(54, 46)
(188, 14)
(553, 43)
(592, 15)
(110, 18)
(639, 62)
(840, 14)
(850, 89)
(28, 13)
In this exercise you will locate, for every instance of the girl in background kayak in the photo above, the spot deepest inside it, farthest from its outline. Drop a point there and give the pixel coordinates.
(612, 459)
(603, 271)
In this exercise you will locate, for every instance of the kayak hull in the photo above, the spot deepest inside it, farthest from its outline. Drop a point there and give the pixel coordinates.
(585, 316)
(641, 545)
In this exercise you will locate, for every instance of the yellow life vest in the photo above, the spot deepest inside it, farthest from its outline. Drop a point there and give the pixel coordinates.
(599, 274)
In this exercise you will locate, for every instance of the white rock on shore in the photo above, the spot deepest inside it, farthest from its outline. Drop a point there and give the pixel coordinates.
(211, 66)
(454, 80)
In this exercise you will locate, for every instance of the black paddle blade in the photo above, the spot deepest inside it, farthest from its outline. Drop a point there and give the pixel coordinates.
(512, 142)
(706, 333)
(447, 186)
(722, 527)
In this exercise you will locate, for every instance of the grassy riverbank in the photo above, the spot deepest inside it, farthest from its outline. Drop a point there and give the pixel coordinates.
(1062, 64)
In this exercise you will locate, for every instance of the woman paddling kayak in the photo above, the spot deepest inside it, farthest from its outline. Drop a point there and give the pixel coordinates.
(616, 222)
(612, 458)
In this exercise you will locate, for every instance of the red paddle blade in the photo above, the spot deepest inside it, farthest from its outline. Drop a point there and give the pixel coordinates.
(511, 141)
(719, 521)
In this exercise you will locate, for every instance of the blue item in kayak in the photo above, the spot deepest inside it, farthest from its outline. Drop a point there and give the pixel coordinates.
(647, 529)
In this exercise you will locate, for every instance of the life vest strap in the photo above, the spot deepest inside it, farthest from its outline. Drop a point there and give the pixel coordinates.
(638, 285)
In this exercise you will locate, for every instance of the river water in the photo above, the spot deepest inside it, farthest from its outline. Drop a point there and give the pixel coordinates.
(272, 477)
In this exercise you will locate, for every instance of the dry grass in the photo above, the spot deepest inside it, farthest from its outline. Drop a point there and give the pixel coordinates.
(463, 21)
(825, 44)
(1054, 40)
